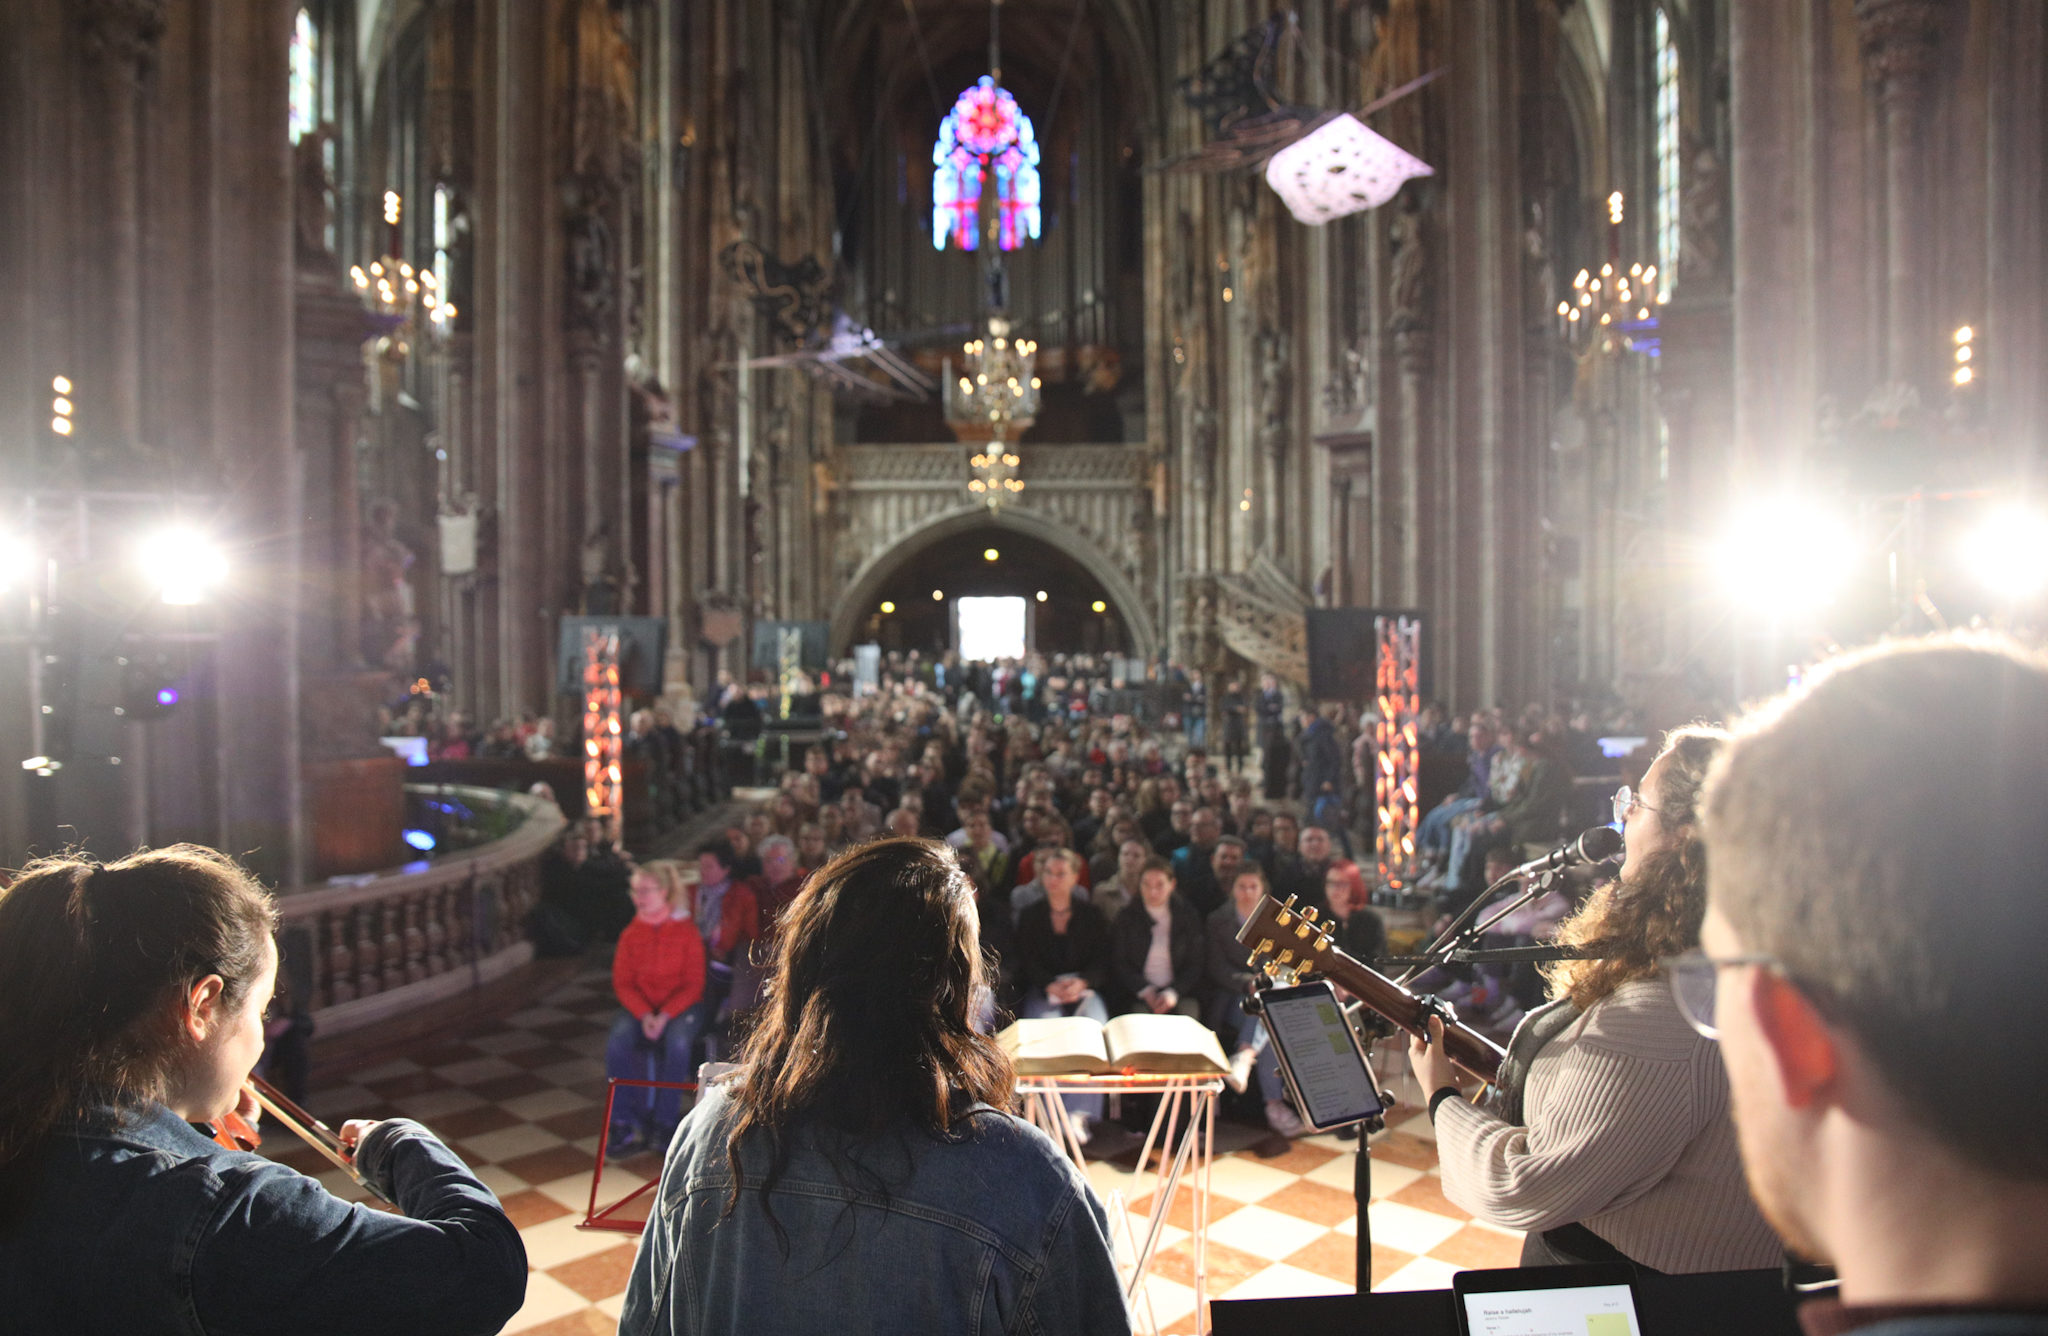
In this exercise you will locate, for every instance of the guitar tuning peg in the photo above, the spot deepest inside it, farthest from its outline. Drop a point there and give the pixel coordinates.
(1309, 914)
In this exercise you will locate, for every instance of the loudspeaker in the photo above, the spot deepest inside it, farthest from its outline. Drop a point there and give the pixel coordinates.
(1343, 652)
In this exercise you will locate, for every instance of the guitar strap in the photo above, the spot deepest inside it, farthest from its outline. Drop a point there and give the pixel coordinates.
(1539, 1027)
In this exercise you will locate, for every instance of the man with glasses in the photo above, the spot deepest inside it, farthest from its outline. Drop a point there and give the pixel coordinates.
(1873, 963)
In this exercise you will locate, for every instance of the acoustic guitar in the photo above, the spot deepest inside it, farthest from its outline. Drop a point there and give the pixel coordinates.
(1285, 943)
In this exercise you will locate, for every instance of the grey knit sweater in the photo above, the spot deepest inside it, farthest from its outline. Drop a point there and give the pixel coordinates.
(1628, 1134)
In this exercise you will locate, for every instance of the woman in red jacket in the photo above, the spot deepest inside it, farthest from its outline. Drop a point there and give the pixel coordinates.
(658, 973)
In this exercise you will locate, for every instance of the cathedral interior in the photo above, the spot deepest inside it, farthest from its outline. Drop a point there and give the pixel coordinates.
(1642, 349)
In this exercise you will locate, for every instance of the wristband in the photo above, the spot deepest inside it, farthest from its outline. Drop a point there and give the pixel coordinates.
(1441, 1094)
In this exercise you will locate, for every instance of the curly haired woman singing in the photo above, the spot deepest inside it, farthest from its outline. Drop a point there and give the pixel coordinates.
(1607, 1135)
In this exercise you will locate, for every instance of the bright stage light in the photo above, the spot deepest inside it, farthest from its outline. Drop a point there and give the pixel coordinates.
(1786, 555)
(185, 565)
(2008, 552)
(17, 563)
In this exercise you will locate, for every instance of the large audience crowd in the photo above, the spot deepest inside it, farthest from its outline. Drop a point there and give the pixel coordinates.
(1114, 858)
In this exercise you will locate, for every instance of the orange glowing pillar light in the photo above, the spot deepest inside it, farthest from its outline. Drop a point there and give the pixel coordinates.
(603, 737)
(1396, 746)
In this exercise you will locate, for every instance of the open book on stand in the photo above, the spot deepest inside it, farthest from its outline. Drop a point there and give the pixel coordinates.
(1138, 1044)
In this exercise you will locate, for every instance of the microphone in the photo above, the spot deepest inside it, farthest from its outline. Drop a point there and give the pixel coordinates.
(1595, 846)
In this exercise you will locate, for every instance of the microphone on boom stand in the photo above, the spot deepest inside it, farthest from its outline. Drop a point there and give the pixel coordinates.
(1595, 846)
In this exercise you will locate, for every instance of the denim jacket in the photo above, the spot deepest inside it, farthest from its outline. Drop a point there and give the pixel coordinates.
(991, 1231)
(144, 1225)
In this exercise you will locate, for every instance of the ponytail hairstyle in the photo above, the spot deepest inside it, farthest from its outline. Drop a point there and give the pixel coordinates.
(1655, 912)
(94, 960)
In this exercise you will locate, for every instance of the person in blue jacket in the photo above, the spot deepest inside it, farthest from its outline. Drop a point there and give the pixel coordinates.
(131, 1009)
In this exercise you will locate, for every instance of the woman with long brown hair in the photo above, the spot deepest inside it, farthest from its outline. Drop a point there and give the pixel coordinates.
(1607, 1135)
(860, 1173)
(131, 1008)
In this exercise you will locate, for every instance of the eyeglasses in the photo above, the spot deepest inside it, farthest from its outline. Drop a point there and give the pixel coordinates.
(1693, 976)
(1627, 800)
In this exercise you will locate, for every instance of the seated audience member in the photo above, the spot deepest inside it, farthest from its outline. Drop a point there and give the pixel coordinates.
(658, 975)
(901, 822)
(1230, 981)
(1607, 1135)
(1108, 860)
(860, 1172)
(810, 846)
(1112, 893)
(985, 860)
(1060, 953)
(131, 1008)
(1157, 948)
(1283, 853)
(781, 878)
(1433, 835)
(1053, 833)
(1303, 876)
(1358, 930)
(1060, 868)
(1530, 817)
(729, 920)
(1872, 967)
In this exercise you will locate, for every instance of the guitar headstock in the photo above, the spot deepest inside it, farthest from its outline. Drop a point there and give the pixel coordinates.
(1285, 941)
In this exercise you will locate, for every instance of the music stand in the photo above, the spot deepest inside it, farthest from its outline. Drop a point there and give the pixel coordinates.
(1191, 1159)
(617, 1217)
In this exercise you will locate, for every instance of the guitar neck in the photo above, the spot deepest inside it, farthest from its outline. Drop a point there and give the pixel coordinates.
(1469, 1049)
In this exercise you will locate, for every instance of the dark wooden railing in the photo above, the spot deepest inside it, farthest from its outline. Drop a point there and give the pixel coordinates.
(380, 945)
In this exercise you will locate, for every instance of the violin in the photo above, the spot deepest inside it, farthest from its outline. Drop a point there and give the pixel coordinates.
(1287, 942)
(236, 1133)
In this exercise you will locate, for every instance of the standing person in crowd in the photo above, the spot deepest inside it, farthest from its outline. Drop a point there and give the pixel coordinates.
(658, 976)
(1872, 970)
(131, 1008)
(1158, 947)
(1322, 770)
(1271, 707)
(1607, 1136)
(1236, 733)
(867, 1128)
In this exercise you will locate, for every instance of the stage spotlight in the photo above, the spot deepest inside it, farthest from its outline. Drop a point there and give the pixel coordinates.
(2008, 552)
(185, 565)
(1786, 556)
(17, 563)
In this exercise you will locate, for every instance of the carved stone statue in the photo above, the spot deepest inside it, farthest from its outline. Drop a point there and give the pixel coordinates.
(312, 197)
(1408, 281)
(1701, 208)
(1273, 388)
(388, 625)
(590, 267)
(1538, 274)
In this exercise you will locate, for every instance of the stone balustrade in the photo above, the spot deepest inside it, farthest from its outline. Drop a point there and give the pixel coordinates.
(389, 943)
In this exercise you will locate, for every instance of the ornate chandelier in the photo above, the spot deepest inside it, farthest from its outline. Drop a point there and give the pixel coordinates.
(411, 297)
(1615, 309)
(991, 402)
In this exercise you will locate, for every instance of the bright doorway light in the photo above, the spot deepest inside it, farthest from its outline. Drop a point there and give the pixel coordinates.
(991, 628)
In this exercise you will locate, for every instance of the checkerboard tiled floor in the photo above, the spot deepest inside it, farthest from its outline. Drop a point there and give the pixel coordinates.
(521, 1100)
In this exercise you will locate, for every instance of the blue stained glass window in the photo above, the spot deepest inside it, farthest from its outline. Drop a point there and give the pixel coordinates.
(985, 135)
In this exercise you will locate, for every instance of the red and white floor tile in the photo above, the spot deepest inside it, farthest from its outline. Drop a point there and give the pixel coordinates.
(522, 1101)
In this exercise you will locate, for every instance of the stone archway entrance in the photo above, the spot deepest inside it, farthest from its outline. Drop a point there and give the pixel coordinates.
(1087, 503)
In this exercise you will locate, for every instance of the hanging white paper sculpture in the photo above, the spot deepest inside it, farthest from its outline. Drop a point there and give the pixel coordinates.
(1339, 168)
